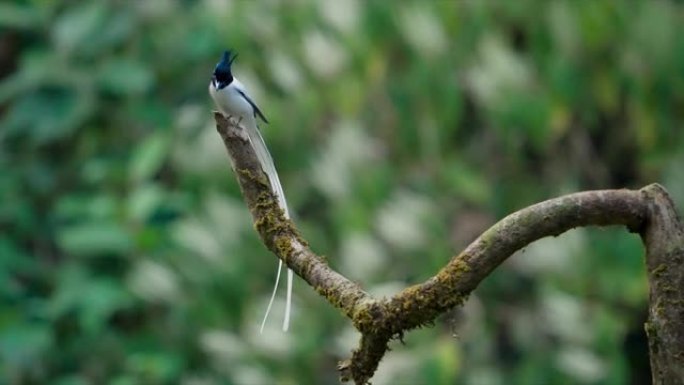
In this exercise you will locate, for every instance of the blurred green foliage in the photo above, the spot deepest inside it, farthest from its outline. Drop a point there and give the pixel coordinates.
(401, 129)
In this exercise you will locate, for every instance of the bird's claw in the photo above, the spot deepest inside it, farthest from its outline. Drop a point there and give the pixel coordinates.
(240, 131)
(235, 120)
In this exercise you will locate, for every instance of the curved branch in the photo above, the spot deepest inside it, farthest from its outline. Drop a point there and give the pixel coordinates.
(549, 218)
(420, 304)
(648, 211)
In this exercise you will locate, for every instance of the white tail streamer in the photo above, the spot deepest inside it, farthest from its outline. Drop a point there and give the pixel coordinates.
(267, 165)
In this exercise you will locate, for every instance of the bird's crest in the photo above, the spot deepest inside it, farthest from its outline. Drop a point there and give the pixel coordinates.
(226, 61)
(222, 74)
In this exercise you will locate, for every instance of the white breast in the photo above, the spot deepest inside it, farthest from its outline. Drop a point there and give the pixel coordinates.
(230, 102)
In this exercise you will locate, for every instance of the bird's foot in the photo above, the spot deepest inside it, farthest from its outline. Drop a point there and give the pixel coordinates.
(240, 131)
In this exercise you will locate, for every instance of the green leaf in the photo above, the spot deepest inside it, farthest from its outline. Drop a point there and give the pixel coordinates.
(79, 27)
(71, 380)
(36, 67)
(100, 299)
(47, 115)
(22, 344)
(15, 16)
(70, 284)
(149, 157)
(14, 261)
(71, 208)
(124, 380)
(93, 299)
(125, 76)
(467, 182)
(144, 201)
(443, 364)
(95, 238)
(155, 367)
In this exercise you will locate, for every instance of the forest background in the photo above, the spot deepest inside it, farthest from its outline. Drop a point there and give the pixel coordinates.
(401, 130)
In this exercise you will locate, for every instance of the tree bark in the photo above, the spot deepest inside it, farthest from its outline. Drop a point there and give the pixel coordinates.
(664, 239)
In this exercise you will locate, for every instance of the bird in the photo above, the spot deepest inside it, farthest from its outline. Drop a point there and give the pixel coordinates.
(233, 100)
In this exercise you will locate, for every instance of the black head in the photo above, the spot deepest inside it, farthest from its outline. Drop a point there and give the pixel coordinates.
(222, 74)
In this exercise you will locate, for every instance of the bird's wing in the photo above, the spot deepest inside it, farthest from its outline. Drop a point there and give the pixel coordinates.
(266, 161)
(257, 111)
(241, 90)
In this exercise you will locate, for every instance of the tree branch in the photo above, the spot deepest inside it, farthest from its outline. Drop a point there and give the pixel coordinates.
(648, 211)
(279, 233)
(664, 240)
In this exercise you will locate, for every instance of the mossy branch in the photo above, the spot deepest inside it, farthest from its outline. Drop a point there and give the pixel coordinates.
(648, 211)
(279, 233)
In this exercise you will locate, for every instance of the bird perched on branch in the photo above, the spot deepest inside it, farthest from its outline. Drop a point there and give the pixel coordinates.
(232, 100)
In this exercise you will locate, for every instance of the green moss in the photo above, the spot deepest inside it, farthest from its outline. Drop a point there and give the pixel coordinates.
(269, 217)
(415, 307)
(668, 289)
(363, 320)
(283, 248)
(453, 271)
(344, 302)
(659, 270)
(418, 305)
(260, 177)
(651, 332)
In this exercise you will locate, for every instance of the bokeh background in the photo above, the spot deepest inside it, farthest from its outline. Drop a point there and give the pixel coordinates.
(401, 130)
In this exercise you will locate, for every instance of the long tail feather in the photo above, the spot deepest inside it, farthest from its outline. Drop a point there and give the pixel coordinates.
(270, 302)
(288, 301)
(269, 168)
